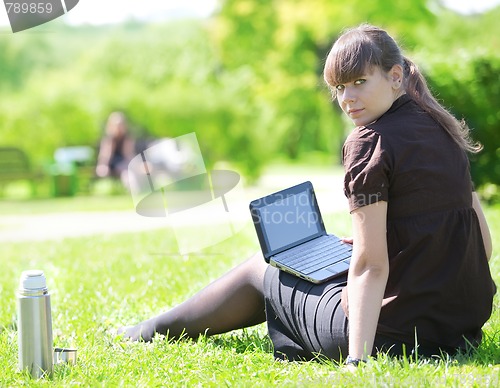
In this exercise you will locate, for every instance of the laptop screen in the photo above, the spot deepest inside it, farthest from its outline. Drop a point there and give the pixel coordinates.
(287, 218)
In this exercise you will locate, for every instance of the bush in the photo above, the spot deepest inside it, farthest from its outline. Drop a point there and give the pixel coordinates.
(470, 87)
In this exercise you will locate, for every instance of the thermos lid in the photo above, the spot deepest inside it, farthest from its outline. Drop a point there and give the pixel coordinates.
(32, 280)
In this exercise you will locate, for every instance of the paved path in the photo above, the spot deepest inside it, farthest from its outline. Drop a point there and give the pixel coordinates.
(55, 226)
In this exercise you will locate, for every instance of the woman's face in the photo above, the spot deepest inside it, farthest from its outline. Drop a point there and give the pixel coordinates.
(367, 98)
(116, 126)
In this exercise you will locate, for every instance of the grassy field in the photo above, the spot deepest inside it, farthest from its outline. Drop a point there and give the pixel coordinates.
(99, 283)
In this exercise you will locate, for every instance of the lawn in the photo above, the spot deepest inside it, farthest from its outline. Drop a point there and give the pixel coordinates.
(99, 283)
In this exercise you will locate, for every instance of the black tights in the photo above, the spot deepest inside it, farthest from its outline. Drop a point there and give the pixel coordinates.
(234, 301)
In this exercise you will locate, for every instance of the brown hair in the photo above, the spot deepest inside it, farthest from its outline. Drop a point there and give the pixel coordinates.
(368, 46)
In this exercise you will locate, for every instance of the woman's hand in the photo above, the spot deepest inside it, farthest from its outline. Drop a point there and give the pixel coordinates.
(346, 240)
(102, 170)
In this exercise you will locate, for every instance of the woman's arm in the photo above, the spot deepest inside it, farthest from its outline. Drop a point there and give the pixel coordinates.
(485, 230)
(367, 277)
(104, 157)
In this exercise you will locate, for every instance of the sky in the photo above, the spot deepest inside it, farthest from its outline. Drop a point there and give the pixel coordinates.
(113, 11)
(470, 6)
(106, 11)
(98, 12)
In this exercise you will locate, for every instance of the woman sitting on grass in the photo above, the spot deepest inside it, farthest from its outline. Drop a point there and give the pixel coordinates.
(419, 274)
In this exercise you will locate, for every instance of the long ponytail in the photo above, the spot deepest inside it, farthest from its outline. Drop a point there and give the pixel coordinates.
(416, 87)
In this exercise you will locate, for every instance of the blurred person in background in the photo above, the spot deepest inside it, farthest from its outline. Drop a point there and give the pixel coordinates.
(117, 148)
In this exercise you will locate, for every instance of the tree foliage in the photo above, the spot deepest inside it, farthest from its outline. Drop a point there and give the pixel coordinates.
(473, 95)
(248, 81)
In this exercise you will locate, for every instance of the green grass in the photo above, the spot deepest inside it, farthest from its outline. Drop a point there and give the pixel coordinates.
(99, 283)
(105, 195)
(13, 206)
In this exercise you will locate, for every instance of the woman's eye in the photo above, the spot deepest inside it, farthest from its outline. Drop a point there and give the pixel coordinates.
(339, 87)
(359, 81)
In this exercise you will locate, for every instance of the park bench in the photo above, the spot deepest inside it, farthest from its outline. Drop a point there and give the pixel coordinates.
(15, 166)
(73, 170)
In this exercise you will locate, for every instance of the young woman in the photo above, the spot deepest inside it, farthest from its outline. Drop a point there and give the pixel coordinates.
(419, 278)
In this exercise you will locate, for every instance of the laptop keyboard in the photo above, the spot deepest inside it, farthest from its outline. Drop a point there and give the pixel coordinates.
(311, 256)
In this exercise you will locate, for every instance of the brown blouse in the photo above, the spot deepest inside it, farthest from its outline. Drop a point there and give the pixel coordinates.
(440, 288)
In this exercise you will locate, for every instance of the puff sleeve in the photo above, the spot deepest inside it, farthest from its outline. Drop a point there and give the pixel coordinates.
(367, 168)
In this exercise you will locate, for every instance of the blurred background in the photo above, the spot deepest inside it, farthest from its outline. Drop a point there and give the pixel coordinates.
(244, 75)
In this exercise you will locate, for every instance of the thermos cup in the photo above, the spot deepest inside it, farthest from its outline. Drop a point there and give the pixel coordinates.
(34, 324)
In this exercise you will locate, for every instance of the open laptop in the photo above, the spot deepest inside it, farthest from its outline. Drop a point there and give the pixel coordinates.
(293, 238)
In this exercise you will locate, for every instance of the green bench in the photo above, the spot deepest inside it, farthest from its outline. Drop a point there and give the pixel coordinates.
(15, 166)
(73, 170)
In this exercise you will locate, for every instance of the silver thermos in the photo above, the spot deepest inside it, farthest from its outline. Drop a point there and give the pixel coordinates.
(34, 324)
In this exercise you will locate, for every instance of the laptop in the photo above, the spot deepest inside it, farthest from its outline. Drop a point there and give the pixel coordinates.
(293, 238)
